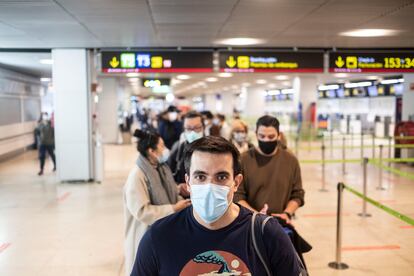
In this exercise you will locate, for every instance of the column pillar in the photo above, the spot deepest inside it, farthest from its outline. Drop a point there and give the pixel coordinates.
(408, 97)
(73, 124)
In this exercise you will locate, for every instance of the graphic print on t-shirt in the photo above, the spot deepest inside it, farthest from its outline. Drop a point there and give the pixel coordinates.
(215, 263)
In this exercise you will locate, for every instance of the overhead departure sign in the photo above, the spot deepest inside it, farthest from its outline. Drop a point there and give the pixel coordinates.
(157, 61)
(271, 61)
(365, 62)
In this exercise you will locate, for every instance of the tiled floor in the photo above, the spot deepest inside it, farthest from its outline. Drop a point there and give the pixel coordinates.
(48, 228)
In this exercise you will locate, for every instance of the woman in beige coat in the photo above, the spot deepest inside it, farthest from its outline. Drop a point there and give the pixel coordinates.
(150, 193)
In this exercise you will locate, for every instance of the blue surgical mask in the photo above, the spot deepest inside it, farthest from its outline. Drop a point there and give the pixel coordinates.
(164, 157)
(210, 201)
(191, 136)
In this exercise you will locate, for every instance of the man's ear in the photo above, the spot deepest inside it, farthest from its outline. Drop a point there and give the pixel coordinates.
(237, 181)
(187, 181)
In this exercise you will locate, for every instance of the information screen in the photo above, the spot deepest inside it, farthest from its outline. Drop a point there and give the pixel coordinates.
(270, 61)
(157, 61)
(365, 62)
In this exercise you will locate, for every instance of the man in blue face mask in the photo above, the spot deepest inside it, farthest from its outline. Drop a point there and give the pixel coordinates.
(193, 130)
(214, 235)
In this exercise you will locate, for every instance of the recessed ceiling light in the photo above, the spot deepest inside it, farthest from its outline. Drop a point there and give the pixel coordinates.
(369, 33)
(132, 75)
(225, 75)
(234, 86)
(261, 81)
(372, 77)
(282, 77)
(133, 79)
(212, 79)
(286, 83)
(271, 85)
(238, 41)
(46, 61)
(45, 79)
(246, 84)
(341, 75)
(183, 77)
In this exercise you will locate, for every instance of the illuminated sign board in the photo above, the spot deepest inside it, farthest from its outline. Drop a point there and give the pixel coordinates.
(157, 61)
(365, 62)
(271, 61)
(151, 83)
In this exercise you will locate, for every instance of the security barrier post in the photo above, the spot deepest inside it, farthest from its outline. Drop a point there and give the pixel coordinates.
(362, 145)
(343, 156)
(323, 189)
(373, 145)
(389, 150)
(331, 143)
(338, 264)
(380, 187)
(364, 202)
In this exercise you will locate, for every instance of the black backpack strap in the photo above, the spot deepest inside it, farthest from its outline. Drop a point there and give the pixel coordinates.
(257, 227)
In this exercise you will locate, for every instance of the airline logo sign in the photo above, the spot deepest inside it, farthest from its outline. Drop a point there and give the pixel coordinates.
(359, 62)
(271, 61)
(157, 62)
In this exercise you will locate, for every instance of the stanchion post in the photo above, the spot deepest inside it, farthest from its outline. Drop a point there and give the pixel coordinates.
(373, 145)
(380, 187)
(323, 188)
(365, 177)
(362, 145)
(331, 143)
(343, 156)
(352, 139)
(389, 150)
(338, 264)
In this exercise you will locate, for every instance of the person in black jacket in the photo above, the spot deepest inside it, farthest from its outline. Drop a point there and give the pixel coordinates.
(193, 130)
(170, 128)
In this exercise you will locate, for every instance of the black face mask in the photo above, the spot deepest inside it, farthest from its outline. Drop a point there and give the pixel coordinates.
(267, 147)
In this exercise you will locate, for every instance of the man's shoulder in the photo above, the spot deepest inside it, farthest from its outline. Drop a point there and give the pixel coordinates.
(249, 154)
(288, 155)
(170, 222)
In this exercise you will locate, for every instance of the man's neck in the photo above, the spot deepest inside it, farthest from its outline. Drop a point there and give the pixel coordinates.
(228, 217)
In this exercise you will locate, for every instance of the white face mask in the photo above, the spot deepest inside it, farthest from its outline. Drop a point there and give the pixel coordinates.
(240, 137)
(191, 136)
(216, 121)
(164, 157)
(172, 116)
(210, 201)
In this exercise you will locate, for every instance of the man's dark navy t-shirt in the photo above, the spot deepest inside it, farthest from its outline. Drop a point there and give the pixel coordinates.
(179, 245)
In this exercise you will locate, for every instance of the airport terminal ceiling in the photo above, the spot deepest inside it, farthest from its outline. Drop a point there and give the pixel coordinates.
(189, 23)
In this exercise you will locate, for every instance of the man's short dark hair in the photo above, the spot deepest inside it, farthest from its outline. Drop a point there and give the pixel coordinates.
(268, 121)
(193, 114)
(207, 114)
(214, 145)
(221, 117)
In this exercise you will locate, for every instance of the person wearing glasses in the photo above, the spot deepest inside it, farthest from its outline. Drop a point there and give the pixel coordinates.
(149, 194)
(193, 130)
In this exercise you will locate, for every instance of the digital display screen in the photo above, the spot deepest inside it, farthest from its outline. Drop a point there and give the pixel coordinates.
(372, 91)
(362, 62)
(157, 61)
(271, 61)
(399, 89)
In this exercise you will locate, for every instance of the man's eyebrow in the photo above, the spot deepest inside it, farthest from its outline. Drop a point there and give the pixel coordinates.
(223, 172)
(199, 172)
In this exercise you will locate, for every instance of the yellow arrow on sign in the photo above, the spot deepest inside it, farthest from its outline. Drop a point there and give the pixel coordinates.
(114, 62)
(231, 62)
(340, 62)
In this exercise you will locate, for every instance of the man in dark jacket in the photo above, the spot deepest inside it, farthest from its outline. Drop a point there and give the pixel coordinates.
(47, 142)
(170, 128)
(193, 130)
